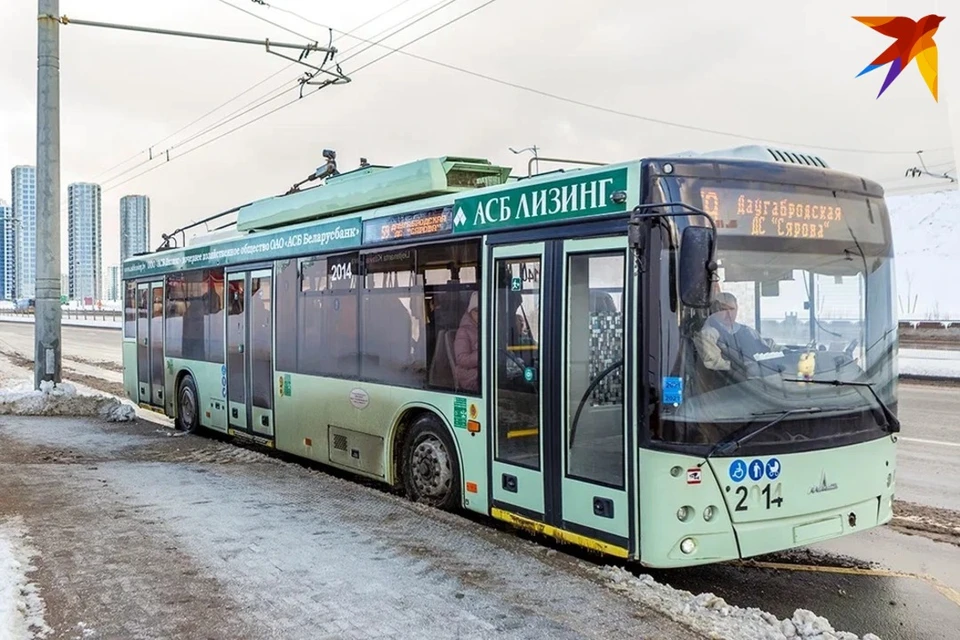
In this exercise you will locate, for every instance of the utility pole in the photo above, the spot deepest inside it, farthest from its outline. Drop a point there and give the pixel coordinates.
(46, 363)
(47, 309)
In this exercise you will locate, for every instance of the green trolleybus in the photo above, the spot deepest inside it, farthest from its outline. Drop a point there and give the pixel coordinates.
(677, 360)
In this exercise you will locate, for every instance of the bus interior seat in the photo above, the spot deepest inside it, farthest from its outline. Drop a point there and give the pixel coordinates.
(448, 340)
(441, 368)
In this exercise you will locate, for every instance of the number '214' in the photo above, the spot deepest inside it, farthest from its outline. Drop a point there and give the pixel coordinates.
(765, 497)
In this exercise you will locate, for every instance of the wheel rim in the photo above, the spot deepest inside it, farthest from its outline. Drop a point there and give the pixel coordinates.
(188, 407)
(431, 470)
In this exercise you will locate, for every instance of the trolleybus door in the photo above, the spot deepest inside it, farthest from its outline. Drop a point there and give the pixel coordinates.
(156, 343)
(236, 351)
(593, 383)
(144, 313)
(516, 384)
(250, 352)
(556, 346)
(260, 353)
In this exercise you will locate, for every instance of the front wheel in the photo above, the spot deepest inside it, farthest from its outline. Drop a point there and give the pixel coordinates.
(188, 406)
(431, 473)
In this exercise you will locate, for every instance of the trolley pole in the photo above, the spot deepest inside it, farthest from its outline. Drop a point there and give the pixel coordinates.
(46, 364)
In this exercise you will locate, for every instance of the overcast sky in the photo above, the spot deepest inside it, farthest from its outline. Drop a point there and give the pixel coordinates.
(759, 70)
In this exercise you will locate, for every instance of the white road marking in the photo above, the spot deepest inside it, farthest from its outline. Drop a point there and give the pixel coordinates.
(935, 442)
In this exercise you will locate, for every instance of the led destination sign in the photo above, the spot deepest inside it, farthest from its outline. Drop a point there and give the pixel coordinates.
(408, 225)
(762, 213)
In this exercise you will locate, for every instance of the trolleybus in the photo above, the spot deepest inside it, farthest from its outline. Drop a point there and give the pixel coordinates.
(677, 360)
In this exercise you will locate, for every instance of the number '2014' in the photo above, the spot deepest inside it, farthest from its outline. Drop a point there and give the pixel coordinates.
(770, 497)
(341, 271)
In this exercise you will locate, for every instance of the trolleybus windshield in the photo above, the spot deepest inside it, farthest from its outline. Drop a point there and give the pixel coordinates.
(804, 292)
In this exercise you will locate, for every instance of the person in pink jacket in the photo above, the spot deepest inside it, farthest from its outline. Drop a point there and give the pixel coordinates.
(466, 348)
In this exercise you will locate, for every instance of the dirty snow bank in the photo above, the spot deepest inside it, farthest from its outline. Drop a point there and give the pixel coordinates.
(62, 400)
(711, 615)
(21, 607)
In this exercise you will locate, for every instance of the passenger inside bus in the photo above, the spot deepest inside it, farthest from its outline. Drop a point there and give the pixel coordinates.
(466, 347)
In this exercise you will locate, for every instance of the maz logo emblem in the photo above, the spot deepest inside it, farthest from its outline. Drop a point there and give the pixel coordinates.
(823, 486)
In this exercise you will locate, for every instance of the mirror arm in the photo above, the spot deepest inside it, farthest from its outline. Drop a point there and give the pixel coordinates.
(637, 217)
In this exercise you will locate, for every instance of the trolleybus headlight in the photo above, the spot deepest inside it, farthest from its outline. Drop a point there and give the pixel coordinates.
(688, 546)
(684, 513)
(709, 512)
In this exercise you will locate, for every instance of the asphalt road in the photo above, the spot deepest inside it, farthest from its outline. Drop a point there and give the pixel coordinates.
(892, 606)
(79, 343)
(929, 453)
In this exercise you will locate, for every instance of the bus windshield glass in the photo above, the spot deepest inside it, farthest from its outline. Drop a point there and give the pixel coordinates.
(804, 293)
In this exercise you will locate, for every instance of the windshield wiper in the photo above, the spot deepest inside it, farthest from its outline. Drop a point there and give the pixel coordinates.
(733, 441)
(893, 424)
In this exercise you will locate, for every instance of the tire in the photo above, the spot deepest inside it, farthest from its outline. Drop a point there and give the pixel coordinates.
(431, 471)
(188, 406)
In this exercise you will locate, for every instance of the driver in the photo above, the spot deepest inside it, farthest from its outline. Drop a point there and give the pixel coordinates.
(721, 333)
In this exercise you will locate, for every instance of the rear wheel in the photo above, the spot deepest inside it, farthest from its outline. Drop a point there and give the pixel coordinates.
(188, 406)
(431, 473)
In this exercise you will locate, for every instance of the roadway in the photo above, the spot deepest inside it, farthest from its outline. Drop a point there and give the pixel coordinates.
(80, 344)
(853, 599)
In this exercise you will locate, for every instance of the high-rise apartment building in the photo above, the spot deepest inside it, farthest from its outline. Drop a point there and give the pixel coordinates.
(24, 205)
(134, 225)
(85, 272)
(113, 282)
(8, 253)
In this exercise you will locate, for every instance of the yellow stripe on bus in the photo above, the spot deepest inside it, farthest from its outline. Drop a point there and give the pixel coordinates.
(566, 536)
(522, 433)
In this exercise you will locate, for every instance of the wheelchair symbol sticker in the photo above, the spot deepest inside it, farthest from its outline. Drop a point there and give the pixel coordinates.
(516, 284)
(738, 470)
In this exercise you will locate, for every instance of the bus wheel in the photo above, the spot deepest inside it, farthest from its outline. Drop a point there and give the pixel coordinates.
(188, 408)
(430, 470)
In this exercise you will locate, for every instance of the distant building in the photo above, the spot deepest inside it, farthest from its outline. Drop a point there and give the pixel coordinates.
(8, 253)
(24, 205)
(84, 254)
(113, 283)
(134, 225)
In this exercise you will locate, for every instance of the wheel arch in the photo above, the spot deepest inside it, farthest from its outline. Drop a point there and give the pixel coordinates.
(406, 416)
(182, 373)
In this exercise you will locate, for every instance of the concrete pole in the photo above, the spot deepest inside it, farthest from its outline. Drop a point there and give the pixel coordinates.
(47, 307)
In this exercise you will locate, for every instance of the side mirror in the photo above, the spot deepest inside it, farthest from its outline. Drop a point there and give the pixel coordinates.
(696, 266)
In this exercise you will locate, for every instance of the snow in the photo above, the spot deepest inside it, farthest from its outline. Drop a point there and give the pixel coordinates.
(712, 616)
(62, 400)
(21, 607)
(928, 362)
(926, 234)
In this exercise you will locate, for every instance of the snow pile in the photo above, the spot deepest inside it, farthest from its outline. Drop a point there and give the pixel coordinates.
(21, 607)
(711, 615)
(62, 400)
(929, 363)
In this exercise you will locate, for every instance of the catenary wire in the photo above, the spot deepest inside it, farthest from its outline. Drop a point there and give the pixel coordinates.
(264, 99)
(244, 110)
(294, 101)
(635, 116)
(239, 95)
